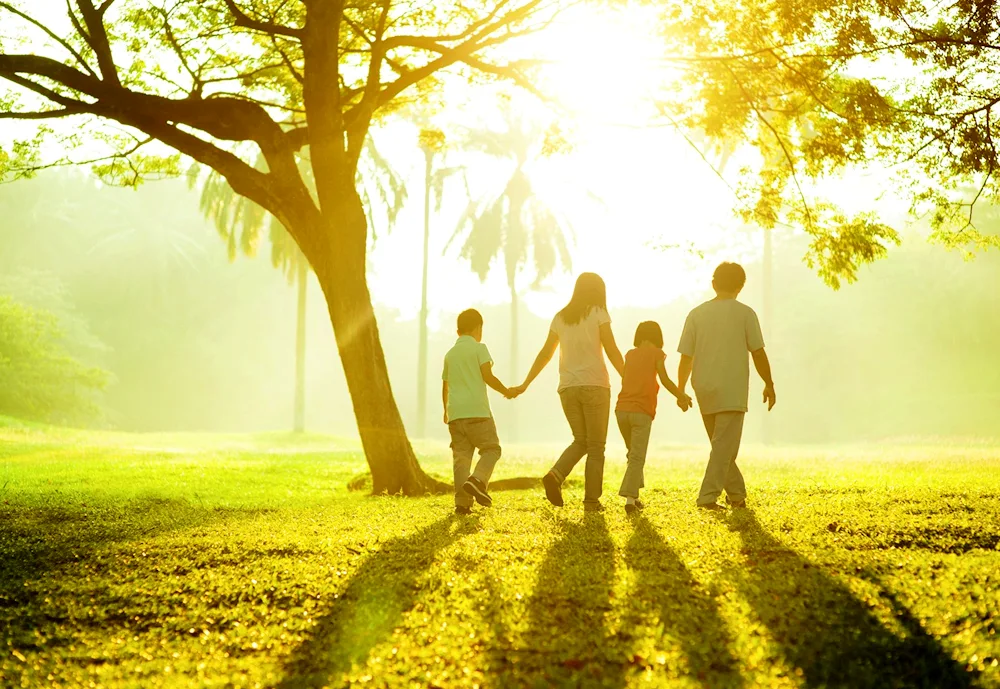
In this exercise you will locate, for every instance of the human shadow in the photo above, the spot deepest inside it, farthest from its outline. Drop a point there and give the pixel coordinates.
(667, 598)
(824, 631)
(384, 587)
(568, 641)
(38, 541)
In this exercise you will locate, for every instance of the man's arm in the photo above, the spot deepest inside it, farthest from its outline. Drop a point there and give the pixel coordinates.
(684, 371)
(494, 382)
(444, 398)
(611, 348)
(763, 367)
(683, 401)
(541, 361)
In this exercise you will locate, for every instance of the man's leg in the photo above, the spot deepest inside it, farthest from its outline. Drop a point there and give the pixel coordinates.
(736, 489)
(484, 436)
(461, 455)
(573, 409)
(640, 426)
(725, 430)
(596, 410)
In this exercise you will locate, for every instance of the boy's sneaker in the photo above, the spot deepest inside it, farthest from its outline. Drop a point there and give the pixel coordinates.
(711, 507)
(461, 509)
(736, 504)
(476, 489)
(593, 507)
(553, 491)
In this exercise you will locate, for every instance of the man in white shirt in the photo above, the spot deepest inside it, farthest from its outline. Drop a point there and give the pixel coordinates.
(713, 347)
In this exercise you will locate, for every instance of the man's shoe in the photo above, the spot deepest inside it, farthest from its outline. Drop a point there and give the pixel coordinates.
(553, 491)
(593, 507)
(476, 489)
(460, 509)
(711, 507)
(631, 508)
(639, 504)
(737, 504)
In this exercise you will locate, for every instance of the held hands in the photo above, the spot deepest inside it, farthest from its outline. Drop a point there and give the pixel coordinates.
(684, 401)
(769, 397)
(515, 391)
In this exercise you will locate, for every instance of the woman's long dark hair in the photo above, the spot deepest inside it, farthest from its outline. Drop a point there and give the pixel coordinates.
(589, 294)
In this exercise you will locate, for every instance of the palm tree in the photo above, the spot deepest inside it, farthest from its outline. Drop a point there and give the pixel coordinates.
(512, 220)
(240, 223)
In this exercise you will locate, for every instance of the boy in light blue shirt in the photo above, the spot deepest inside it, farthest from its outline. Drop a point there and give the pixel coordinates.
(468, 369)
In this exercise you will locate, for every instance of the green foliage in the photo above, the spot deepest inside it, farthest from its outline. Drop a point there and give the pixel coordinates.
(246, 560)
(39, 380)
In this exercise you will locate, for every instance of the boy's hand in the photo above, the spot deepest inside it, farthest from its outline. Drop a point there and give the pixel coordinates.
(446, 418)
(516, 391)
(769, 397)
(510, 393)
(684, 402)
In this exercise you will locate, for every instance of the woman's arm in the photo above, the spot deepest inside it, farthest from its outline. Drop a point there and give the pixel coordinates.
(611, 348)
(541, 361)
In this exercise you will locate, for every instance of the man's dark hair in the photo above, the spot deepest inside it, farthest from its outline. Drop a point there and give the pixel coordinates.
(648, 331)
(469, 320)
(729, 277)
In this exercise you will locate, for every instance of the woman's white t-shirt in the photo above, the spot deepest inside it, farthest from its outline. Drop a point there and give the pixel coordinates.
(581, 356)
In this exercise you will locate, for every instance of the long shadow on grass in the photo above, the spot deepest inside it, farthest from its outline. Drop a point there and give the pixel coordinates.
(822, 629)
(37, 541)
(568, 641)
(385, 586)
(666, 591)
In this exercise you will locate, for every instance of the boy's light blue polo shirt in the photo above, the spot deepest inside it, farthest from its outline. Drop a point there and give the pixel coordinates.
(466, 388)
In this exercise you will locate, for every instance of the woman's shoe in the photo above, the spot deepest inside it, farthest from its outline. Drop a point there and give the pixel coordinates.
(553, 491)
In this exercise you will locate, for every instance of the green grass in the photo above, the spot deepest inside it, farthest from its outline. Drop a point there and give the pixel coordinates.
(150, 561)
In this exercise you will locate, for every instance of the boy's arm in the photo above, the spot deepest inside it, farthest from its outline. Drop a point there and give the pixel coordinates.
(763, 367)
(684, 371)
(541, 361)
(494, 382)
(683, 401)
(444, 398)
(611, 348)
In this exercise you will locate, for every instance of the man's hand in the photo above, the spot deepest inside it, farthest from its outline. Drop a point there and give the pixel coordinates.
(684, 401)
(769, 396)
(446, 418)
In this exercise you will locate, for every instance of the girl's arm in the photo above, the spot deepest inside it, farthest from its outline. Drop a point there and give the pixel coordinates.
(611, 348)
(541, 361)
(682, 399)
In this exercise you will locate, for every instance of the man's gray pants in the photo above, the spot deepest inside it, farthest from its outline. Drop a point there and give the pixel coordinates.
(635, 428)
(725, 430)
(468, 435)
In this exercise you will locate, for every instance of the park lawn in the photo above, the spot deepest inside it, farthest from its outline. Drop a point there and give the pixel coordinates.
(149, 561)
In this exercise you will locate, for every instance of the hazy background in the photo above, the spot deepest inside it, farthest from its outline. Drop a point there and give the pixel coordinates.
(143, 287)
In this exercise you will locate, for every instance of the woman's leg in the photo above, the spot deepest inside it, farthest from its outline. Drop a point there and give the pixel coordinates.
(573, 409)
(596, 404)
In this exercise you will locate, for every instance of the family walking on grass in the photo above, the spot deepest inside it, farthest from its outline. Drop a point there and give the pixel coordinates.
(713, 345)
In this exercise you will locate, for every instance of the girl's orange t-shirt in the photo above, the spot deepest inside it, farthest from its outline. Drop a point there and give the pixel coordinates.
(639, 384)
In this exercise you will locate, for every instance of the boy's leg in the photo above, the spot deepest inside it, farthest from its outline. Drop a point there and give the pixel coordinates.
(483, 434)
(725, 430)
(640, 426)
(596, 410)
(461, 455)
(573, 409)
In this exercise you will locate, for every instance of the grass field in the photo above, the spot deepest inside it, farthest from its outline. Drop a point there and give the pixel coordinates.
(150, 561)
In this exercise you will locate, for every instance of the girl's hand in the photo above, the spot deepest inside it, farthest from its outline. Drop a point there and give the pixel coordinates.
(684, 402)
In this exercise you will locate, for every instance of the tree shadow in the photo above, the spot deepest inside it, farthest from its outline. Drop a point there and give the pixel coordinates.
(568, 641)
(667, 598)
(385, 586)
(36, 541)
(823, 630)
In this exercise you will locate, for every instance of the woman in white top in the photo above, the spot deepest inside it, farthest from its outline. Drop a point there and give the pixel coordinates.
(582, 332)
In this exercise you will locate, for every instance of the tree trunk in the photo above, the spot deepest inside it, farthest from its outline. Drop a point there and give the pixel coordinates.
(341, 274)
(302, 280)
(514, 339)
(422, 344)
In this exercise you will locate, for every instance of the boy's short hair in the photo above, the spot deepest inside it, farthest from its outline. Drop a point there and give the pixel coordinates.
(469, 320)
(729, 277)
(648, 331)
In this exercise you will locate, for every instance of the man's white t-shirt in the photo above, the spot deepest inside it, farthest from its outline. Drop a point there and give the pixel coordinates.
(581, 356)
(718, 335)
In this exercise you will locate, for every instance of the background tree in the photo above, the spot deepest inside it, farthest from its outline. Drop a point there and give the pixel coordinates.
(511, 221)
(240, 223)
(819, 88)
(203, 77)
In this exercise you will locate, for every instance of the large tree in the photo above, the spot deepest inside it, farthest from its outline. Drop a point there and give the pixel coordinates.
(821, 88)
(223, 81)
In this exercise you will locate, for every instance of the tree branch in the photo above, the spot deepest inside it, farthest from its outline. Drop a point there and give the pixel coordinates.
(245, 21)
(97, 39)
(51, 34)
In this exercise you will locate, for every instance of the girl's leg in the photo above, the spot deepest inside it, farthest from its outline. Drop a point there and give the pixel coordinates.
(640, 426)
